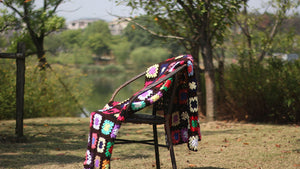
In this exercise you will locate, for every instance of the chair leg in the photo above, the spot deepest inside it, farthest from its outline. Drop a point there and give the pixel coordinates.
(170, 144)
(156, 146)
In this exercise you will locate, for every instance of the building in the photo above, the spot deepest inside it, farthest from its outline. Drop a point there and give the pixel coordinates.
(80, 23)
(117, 26)
(286, 57)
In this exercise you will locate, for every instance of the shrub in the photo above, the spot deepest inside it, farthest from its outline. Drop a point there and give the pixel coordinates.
(111, 68)
(266, 92)
(44, 94)
(76, 56)
(7, 89)
(143, 57)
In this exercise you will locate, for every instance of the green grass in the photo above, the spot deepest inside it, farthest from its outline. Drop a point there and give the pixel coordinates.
(61, 142)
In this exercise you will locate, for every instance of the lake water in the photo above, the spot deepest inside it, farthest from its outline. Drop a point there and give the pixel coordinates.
(104, 84)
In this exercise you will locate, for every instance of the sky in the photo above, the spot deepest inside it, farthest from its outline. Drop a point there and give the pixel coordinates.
(102, 9)
(82, 9)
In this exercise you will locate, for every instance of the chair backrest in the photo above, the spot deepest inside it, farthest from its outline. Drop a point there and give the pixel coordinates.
(159, 82)
(125, 84)
(150, 86)
(146, 88)
(155, 83)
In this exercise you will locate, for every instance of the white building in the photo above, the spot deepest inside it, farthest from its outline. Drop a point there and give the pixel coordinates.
(117, 26)
(80, 23)
(286, 57)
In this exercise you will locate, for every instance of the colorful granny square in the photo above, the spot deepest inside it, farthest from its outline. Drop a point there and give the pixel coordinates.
(184, 124)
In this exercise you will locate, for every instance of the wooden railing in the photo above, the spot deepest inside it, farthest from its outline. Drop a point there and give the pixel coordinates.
(20, 82)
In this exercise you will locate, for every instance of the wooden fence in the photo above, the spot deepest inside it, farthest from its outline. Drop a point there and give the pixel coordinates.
(20, 82)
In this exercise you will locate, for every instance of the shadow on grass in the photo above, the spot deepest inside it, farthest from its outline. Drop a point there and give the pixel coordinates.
(135, 156)
(205, 168)
(230, 131)
(19, 161)
(62, 143)
(297, 151)
(51, 142)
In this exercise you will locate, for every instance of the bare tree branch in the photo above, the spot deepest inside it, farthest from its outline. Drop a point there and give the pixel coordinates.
(27, 21)
(56, 6)
(150, 31)
(272, 34)
(195, 19)
(245, 26)
(4, 27)
(13, 8)
(73, 10)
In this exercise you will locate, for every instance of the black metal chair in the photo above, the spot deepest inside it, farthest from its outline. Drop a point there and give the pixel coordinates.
(154, 119)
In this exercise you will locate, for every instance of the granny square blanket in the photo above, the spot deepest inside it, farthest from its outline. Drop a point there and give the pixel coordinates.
(105, 123)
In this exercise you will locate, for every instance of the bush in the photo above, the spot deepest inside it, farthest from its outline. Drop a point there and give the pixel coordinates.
(44, 94)
(263, 92)
(121, 51)
(143, 57)
(76, 56)
(7, 89)
(111, 68)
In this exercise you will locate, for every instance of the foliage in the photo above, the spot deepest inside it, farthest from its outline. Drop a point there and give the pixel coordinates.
(257, 89)
(3, 43)
(97, 44)
(141, 38)
(77, 56)
(37, 21)
(97, 37)
(143, 57)
(263, 92)
(20, 37)
(7, 21)
(106, 69)
(121, 50)
(8, 89)
(81, 46)
(198, 25)
(63, 41)
(185, 18)
(291, 22)
(43, 96)
(260, 31)
(252, 90)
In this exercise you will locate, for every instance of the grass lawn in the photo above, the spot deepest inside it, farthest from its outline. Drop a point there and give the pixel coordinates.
(61, 142)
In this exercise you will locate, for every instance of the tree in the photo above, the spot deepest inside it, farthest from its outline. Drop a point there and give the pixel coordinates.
(39, 22)
(64, 41)
(150, 56)
(198, 25)
(98, 38)
(121, 50)
(6, 21)
(141, 38)
(259, 31)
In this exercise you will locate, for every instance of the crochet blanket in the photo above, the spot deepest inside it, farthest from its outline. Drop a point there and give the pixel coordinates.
(184, 124)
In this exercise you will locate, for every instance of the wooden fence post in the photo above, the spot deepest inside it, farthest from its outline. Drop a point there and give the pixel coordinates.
(20, 83)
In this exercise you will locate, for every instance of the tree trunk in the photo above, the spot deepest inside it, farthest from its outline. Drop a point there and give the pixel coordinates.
(195, 53)
(41, 53)
(221, 90)
(42, 60)
(209, 74)
(221, 68)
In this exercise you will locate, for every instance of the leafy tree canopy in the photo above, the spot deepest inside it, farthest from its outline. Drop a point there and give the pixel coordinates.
(38, 20)
(98, 38)
(141, 38)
